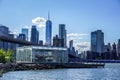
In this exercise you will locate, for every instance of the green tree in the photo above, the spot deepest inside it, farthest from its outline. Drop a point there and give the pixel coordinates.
(9, 55)
(2, 56)
(6, 56)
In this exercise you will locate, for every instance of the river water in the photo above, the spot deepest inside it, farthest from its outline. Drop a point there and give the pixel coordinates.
(110, 72)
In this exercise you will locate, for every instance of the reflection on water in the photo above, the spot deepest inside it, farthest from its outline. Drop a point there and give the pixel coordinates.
(110, 72)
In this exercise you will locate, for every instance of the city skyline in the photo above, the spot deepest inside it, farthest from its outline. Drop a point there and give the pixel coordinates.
(80, 19)
(72, 39)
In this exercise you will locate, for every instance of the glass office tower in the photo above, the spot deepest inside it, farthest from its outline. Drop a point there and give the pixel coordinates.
(25, 31)
(34, 35)
(48, 31)
(97, 41)
(62, 34)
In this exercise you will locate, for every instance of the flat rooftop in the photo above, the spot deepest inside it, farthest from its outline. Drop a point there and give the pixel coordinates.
(43, 48)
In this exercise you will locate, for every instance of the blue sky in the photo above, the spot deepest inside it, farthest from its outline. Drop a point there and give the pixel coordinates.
(80, 16)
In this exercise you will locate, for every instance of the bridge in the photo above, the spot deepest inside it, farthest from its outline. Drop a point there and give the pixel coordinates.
(93, 61)
(17, 41)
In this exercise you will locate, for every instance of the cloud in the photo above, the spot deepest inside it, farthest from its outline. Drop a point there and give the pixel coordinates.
(26, 26)
(39, 21)
(80, 41)
(76, 35)
(14, 32)
(82, 45)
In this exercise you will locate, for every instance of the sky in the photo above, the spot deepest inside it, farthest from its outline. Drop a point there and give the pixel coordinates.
(80, 16)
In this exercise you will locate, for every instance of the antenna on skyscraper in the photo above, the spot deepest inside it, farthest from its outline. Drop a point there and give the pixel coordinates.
(48, 15)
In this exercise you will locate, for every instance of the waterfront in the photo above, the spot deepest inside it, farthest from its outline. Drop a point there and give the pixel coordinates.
(110, 72)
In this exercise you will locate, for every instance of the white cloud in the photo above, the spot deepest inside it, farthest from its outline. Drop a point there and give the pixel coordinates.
(14, 32)
(79, 41)
(83, 46)
(39, 21)
(26, 26)
(76, 35)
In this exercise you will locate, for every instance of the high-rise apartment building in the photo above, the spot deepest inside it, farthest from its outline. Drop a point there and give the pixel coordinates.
(97, 41)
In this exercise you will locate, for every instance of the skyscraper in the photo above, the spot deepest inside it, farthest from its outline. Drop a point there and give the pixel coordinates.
(70, 43)
(62, 33)
(4, 31)
(22, 37)
(97, 41)
(57, 42)
(48, 31)
(118, 48)
(109, 47)
(34, 35)
(41, 42)
(37, 37)
(114, 47)
(12, 46)
(25, 31)
(114, 51)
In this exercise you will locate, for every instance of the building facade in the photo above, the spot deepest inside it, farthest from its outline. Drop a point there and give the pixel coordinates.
(57, 42)
(114, 54)
(48, 31)
(41, 42)
(4, 31)
(34, 35)
(70, 43)
(12, 46)
(22, 37)
(36, 54)
(62, 34)
(25, 31)
(118, 48)
(97, 41)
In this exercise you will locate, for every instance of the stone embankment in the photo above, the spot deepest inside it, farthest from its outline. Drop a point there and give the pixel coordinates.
(38, 66)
